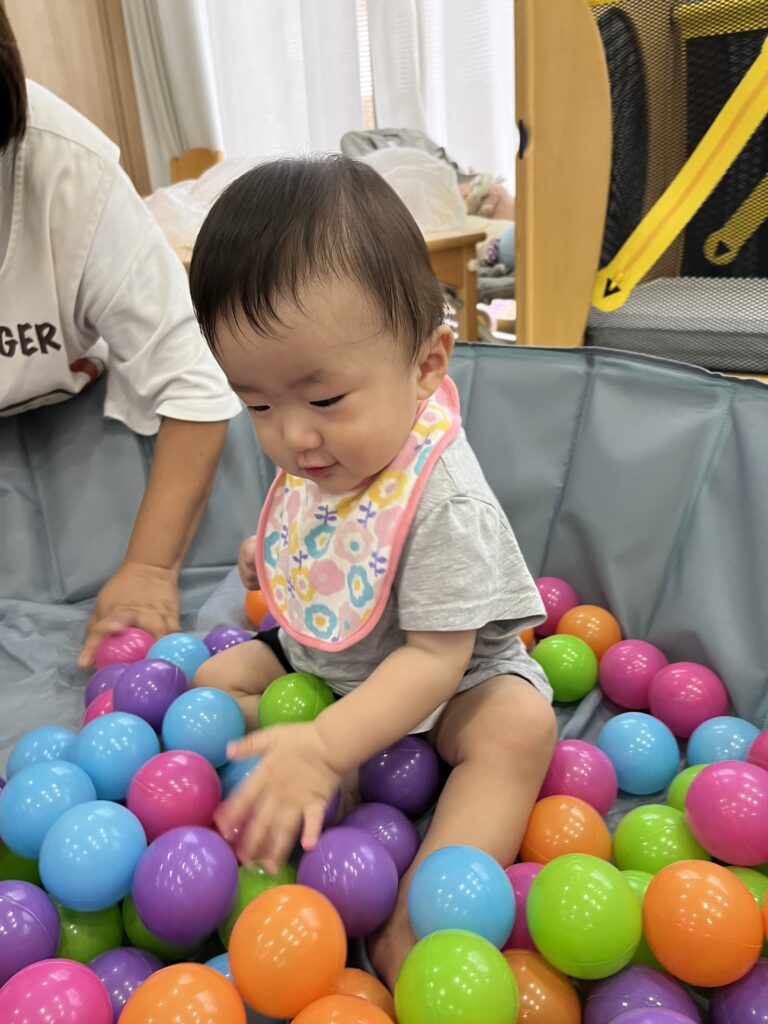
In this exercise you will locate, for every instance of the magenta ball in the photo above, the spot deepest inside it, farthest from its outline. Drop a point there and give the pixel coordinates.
(558, 597)
(744, 1001)
(102, 680)
(173, 789)
(185, 884)
(101, 705)
(626, 671)
(29, 927)
(391, 828)
(125, 647)
(684, 694)
(405, 775)
(148, 688)
(356, 873)
(521, 877)
(727, 809)
(581, 769)
(55, 992)
(636, 988)
(121, 971)
(758, 752)
(224, 637)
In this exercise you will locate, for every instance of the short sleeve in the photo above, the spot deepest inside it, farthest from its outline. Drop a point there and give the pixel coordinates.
(461, 568)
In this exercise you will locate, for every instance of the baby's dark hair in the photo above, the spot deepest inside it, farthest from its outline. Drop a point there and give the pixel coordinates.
(13, 88)
(288, 222)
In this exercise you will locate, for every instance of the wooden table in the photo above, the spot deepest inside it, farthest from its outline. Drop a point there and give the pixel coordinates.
(450, 253)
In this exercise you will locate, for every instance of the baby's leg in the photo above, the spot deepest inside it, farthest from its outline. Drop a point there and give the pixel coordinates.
(244, 671)
(498, 737)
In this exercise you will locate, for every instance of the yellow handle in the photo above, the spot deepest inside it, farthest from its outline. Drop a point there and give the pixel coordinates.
(724, 245)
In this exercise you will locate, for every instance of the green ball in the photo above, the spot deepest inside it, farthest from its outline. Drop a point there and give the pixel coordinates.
(757, 884)
(678, 787)
(85, 935)
(455, 976)
(14, 868)
(140, 936)
(652, 836)
(583, 916)
(297, 697)
(252, 882)
(638, 883)
(570, 665)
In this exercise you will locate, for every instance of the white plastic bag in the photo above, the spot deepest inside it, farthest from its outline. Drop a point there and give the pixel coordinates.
(426, 185)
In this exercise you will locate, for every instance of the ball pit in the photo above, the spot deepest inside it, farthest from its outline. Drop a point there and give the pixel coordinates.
(123, 648)
(102, 681)
(296, 697)
(391, 828)
(626, 670)
(637, 988)
(679, 786)
(727, 807)
(564, 824)
(521, 878)
(744, 1001)
(653, 835)
(172, 789)
(148, 688)
(184, 992)
(121, 971)
(29, 927)
(252, 881)
(111, 749)
(185, 650)
(721, 739)
(684, 694)
(643, 751)
(88, 934)
(224, 637)
(582, 770)
(59, 991)
(232, 774)
(545, 994)
(99, 706)
(558, 597)
(758, 750)
(204, 721)
(569, 664)
(48, 743)
(354, 982)
(405, 775)
(142, 938)
(592, 624)
(342, 1009)
(35, 798)
(255, 607)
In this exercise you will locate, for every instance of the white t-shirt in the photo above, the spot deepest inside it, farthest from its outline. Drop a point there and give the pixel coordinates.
(87, 278)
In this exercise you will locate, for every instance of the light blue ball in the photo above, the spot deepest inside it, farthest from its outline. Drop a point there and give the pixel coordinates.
(185, 650)
(233, 773)
(35, 798)
(203, 720)
(89, 855)
(725, 738)
(643, 751)
(220, 963)
(462, 887)
(111, 749)
(48, 743)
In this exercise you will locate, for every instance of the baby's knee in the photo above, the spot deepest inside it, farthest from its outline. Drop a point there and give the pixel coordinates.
(519, 727)
(212, 673)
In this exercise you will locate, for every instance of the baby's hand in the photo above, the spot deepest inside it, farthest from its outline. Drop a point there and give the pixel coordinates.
(246, 563)
(285, 796)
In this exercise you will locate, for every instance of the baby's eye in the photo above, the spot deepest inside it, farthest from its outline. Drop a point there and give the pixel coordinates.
(325, 402)
(259, 408)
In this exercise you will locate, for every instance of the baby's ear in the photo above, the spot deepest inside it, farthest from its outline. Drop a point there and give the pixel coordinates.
(433, 360)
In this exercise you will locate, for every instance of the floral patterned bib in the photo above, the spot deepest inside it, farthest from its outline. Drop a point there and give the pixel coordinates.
(327, 562)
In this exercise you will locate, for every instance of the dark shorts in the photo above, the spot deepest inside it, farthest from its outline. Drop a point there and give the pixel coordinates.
(272, 640)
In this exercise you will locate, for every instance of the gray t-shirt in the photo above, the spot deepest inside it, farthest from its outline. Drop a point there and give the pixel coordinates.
(461, 568)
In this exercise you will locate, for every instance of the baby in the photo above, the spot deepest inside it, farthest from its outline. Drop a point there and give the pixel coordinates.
(381, 549)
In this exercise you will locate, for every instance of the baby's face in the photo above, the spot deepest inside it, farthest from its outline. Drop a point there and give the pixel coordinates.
(332, 396)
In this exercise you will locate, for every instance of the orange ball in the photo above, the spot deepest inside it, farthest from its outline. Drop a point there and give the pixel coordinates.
(564, 824)
(354, 982)
(287, 950)
(546, 995)
(341, 1009)
(702, 923)
(255, 607)
(595, 626)
(184, 992)
(527, 636)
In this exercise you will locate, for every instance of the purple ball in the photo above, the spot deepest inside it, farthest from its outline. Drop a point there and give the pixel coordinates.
(637, 988)
(404, 775)
(121, 971)
(268, 622)
(104, 679)
(148, 688)
(224, 637)
(29, 927)
(745, 1000)
(185, 884)
(356, 874)
(393, 830)
(654, 1015)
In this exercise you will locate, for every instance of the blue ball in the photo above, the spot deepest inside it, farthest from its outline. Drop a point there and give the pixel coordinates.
(203, 720)
(233, 773)
(48, 743)
(35, 798)
(643, 751)
(111, 749)
(89, 855)
(220, 963)
(725, 738)
(462, 887)
(185, 650)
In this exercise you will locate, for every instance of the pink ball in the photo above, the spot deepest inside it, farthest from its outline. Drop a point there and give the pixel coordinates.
(521, 877)
(581, 769)
(684, 694)
(758, 752)
(59, 991)
(102, 705)
(125, 647)
(173, 789)
(727, 809)
(626, 671)
(558, 597)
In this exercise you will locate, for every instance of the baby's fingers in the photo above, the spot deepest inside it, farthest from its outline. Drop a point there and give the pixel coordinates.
(255, 744)
(314, 815)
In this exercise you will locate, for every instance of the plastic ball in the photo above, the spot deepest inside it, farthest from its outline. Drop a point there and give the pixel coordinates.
(86, 934)
(142, 938)
(721, 739)
(702, 923)
(592, 624)
(224, 637)
(121, 971)
(558, 597)
(727, 807)
(55, 992)
(204, 721)
(570, 666)
(354, 982)
(174, 788)
(287, 950)
(583, 916)
(405, 775)
(744, 1001)
(148, 688)
(342, 1009)
(48, 743)
(643, 751)
(653, 1015)
(185, 884)
(528, 638)
(391, 828)
(637, 988)
(564, 824)
(124, 647)
(638, 883)
(16, 868)
(184, 650)
(654, 835)
(185, 992)
(758, 750)
(268, 622)
(357, 875)
(455, 976)
(679, 786)
(255, 608)
(220, 963)
(29, 927)
(102, 681)
(111, 750)
(252, 881)
(626, 671)
(756, 882)
(684, 694)
(521, 878)
(89, 855)
(232, 773)
(546, 995)
(296, 697)
(99, 706)
(581, 769)
(35, 798)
